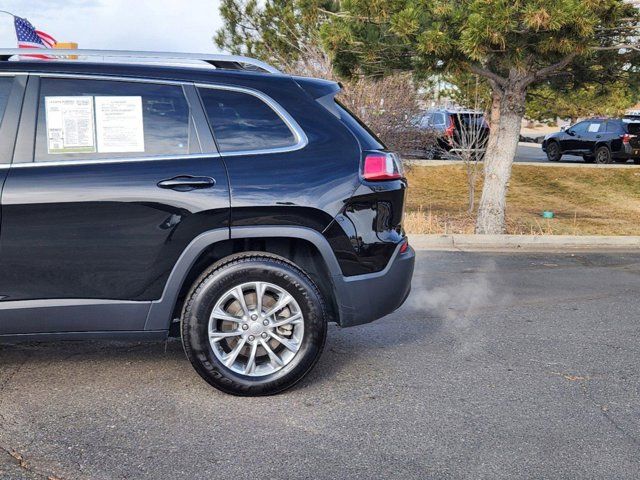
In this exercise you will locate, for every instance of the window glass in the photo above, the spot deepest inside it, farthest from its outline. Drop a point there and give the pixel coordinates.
(614, 126)
(594, 127)
(633, 128)
(5, 89)
(579, 127)
(241, 121)
(93, 119)
(425, 121)
(438, 119)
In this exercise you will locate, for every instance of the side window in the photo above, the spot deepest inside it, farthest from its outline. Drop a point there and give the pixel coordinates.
(614, 127)
(579, 128)
(5, 89)
(82, 119)
(438, 119)
(243, 122)
(594, 127)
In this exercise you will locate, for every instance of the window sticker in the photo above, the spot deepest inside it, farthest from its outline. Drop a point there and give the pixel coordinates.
(594, 127)
(119, 124)
(70, 125)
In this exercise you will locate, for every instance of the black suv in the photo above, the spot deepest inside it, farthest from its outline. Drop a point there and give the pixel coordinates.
(596, 140)
(237, 207)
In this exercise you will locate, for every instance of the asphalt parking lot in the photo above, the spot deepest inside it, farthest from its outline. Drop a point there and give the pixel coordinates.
(532, 152)
(500, 365)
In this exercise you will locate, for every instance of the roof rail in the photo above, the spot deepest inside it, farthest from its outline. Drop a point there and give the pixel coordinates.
(230, 62)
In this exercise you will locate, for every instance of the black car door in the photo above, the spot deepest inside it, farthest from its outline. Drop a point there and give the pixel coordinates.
(593, 134)
(97, 210)
(571, 140)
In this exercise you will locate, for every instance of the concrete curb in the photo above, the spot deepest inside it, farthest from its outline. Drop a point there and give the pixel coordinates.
(522, 242)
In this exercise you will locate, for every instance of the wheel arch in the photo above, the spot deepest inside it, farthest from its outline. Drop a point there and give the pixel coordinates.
(306, 247)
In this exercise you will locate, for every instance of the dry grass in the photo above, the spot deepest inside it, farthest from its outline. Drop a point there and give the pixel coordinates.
(585, 201)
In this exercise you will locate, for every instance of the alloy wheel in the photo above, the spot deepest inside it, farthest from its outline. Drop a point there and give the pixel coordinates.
(256, 328)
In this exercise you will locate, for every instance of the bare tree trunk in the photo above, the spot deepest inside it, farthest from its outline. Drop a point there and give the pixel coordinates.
(471, 179)
(506, 117)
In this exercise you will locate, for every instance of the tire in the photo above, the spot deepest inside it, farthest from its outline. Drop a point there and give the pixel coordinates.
(432, 153)
(603, 155)
(218, 288)
(553, 152)
(636, 161)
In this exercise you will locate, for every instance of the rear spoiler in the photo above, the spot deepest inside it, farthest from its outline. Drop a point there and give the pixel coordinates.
(318, 88)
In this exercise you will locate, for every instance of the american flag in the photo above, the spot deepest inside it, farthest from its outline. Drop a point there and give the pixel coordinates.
(29, 37)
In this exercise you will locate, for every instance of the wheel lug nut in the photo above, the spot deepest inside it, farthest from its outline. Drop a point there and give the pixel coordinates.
(245, 327)
(265, 322)
(251, 338)
(254, 317)
(264, 335)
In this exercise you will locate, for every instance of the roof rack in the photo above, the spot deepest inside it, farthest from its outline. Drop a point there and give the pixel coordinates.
(228, 62)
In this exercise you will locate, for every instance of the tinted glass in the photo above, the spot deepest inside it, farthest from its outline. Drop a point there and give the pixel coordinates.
(5, 89)
(633, 128)
(614, 126)
(241, 121)
(469, 120)
(368, 140)
(579, 127)
(438, 119)
(92, 119)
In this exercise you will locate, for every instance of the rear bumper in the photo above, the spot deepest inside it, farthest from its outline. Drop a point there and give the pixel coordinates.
(365, 298)
(627, 152)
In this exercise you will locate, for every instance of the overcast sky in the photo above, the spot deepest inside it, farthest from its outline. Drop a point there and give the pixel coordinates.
(161, 25)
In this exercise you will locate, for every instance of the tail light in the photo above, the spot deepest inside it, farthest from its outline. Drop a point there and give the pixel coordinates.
(627, 137)
(405, 246)
(381, 166)
(449, 131)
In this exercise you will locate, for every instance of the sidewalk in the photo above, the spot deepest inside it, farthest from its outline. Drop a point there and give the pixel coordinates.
(522, 242)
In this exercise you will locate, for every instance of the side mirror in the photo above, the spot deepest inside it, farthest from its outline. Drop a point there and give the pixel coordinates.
(570, 132)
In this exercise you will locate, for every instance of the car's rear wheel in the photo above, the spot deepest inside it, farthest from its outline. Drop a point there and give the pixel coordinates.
(553, 152)
(603, 155)
(254, 325)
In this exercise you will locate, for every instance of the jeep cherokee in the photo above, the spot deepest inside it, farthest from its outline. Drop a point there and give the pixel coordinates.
(237, 207)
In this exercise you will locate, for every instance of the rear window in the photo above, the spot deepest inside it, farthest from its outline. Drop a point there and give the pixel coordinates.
(243, 122)
(469, 120)
(368, 140)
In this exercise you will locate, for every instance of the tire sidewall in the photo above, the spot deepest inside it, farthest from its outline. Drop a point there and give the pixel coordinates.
(608, 159)
(553, 146)
(208, 292)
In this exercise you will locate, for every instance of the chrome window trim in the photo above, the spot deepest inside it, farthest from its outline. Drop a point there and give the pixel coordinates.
(299, 135)
(154, 158)
(117, 78)
(301, 138)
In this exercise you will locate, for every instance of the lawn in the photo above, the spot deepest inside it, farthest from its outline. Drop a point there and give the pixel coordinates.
(585, 201)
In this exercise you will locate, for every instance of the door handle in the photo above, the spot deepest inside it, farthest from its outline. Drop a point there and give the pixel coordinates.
(184, 183)
(598, 136)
